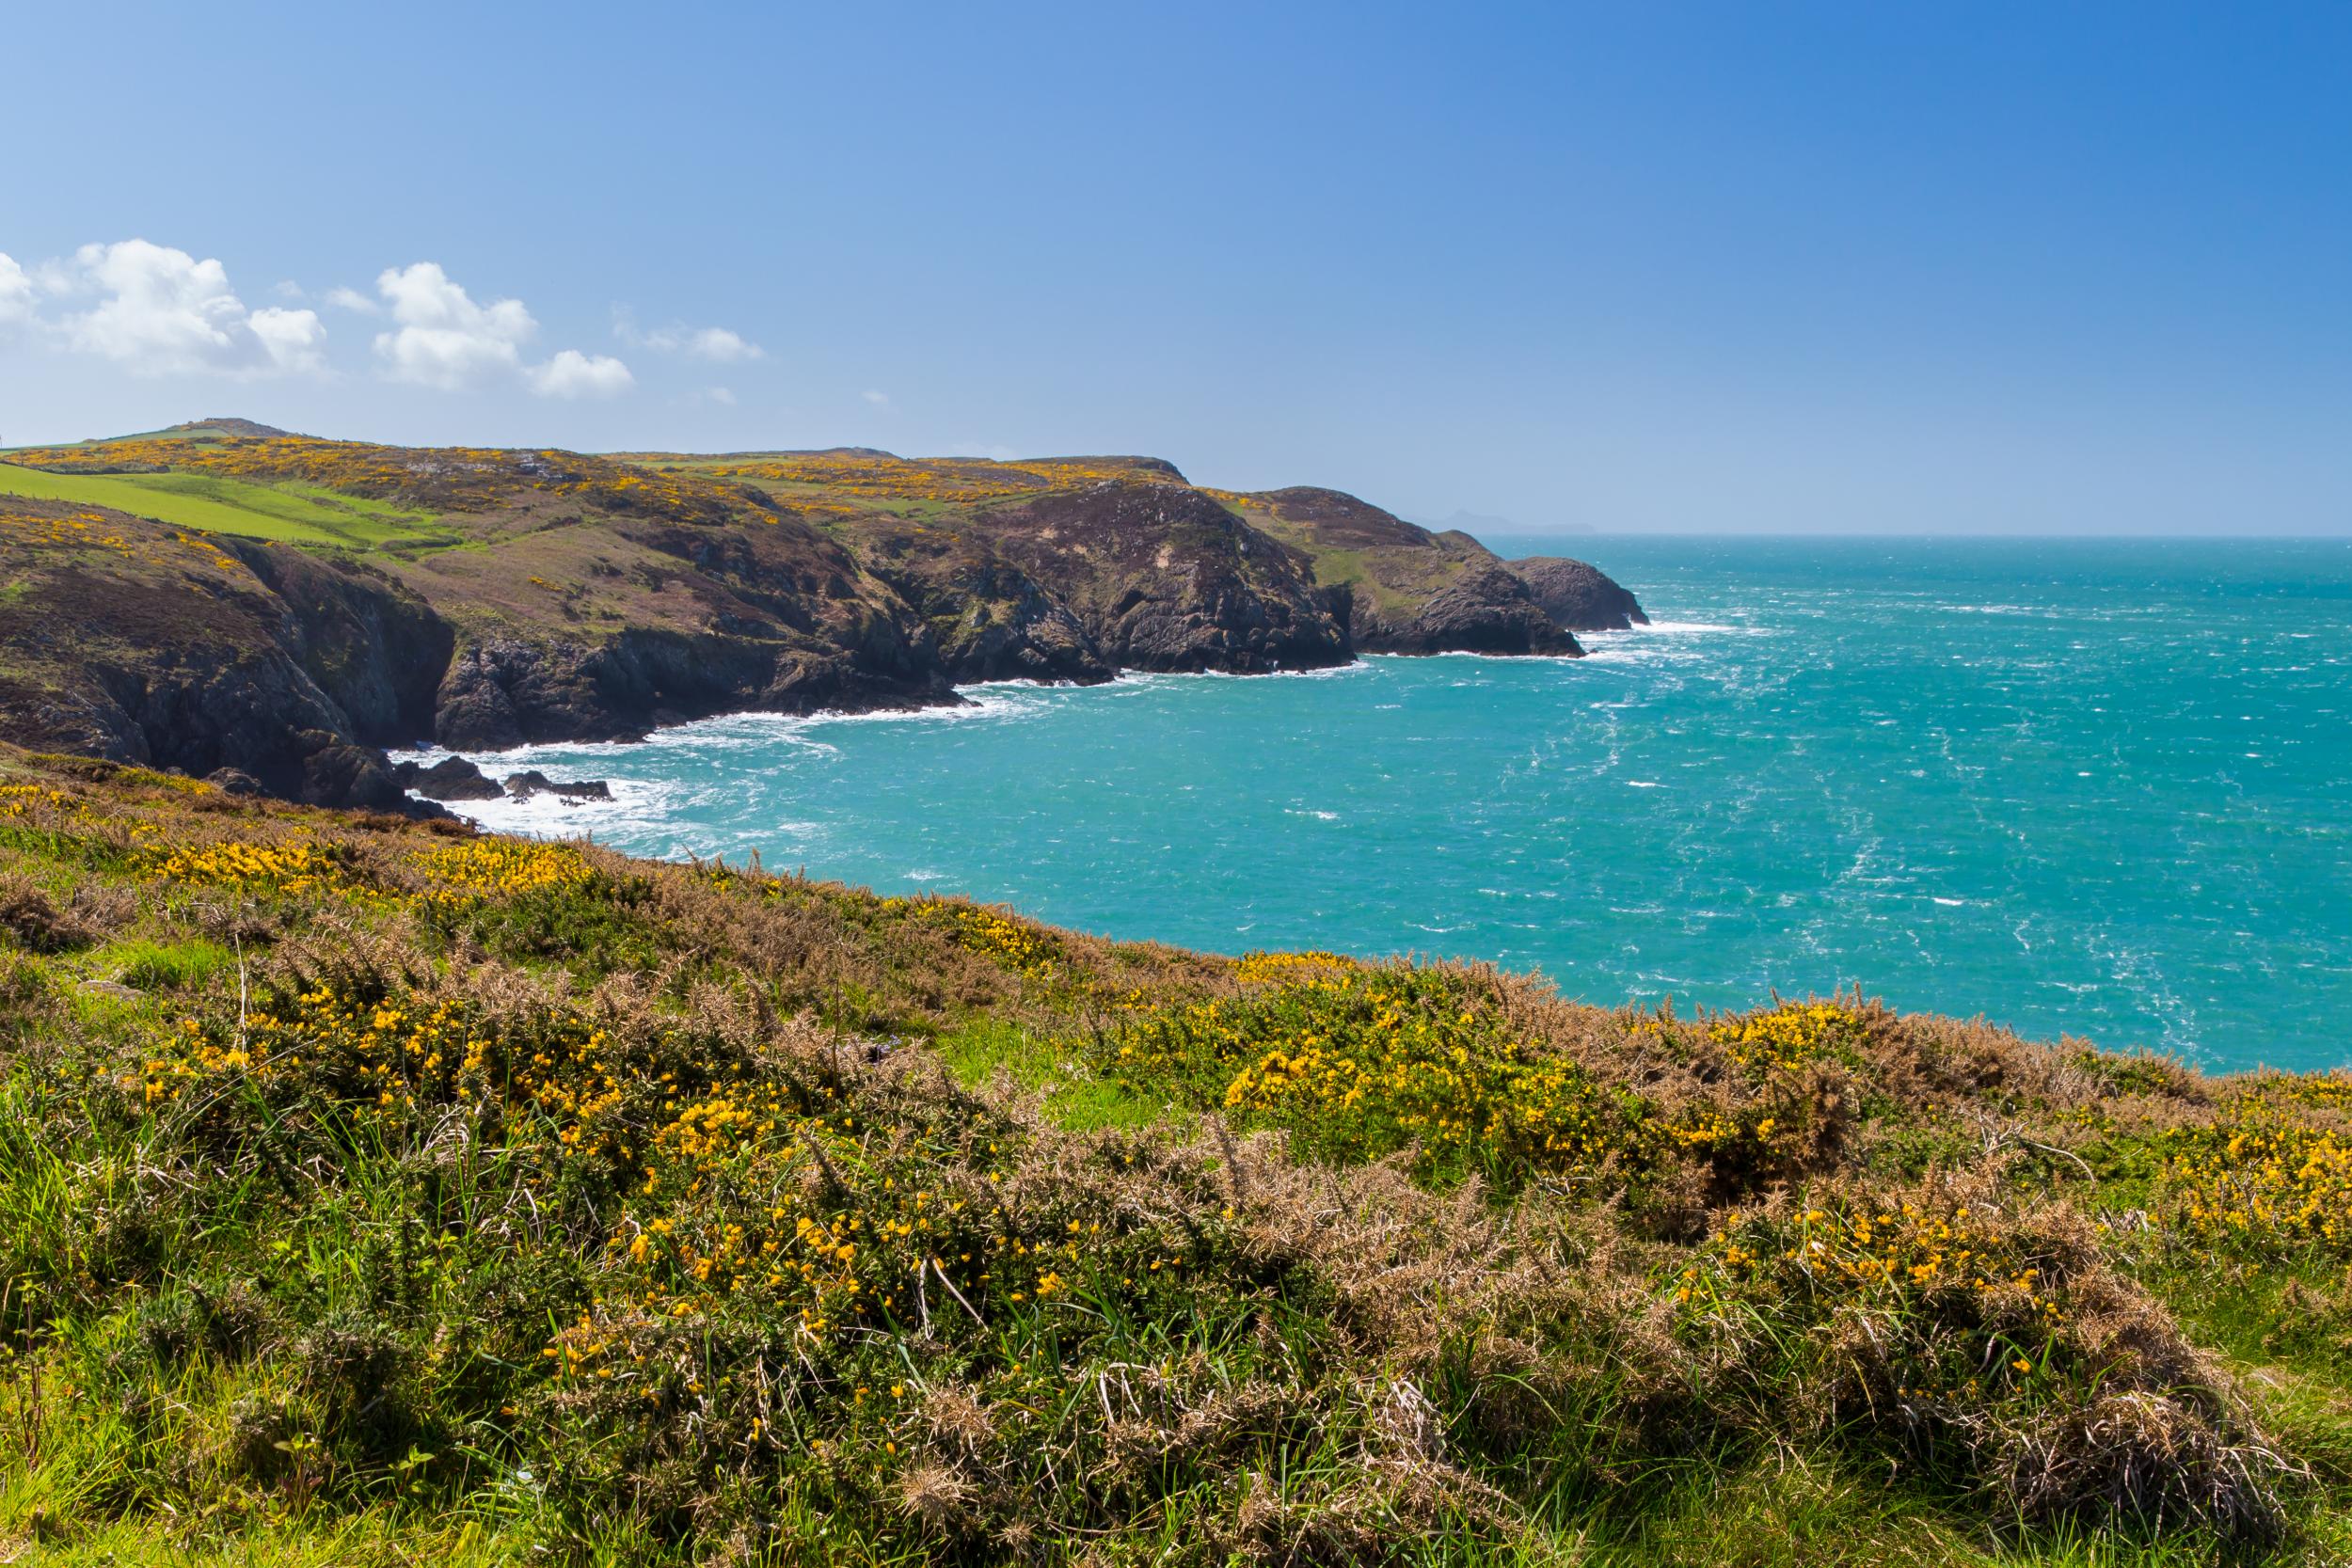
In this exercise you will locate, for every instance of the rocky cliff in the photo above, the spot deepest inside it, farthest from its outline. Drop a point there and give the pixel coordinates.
(128, 639)
(1410, 590)
(489, 598)
(1578, 596)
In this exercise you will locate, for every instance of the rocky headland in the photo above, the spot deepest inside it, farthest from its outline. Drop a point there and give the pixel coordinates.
(480, 600)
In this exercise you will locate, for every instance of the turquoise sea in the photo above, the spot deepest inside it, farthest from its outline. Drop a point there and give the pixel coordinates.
(2091, 788)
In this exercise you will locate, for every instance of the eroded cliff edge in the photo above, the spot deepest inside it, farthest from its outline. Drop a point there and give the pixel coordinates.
(483, 600)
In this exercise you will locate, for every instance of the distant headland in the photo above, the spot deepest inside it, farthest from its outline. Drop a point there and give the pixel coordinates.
(223, 595)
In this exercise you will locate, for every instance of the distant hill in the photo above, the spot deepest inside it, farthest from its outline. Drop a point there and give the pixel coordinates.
(227, 427)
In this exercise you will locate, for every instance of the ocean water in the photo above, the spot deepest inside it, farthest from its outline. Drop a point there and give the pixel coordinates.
(2098, 790)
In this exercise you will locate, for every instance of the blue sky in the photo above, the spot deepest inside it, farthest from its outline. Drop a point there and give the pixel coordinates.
(2028, 268)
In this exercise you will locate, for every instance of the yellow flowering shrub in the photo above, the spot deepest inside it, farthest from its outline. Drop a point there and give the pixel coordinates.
(397, 1057)
(1018, 945)
(498, 868)
(290, 868)
(20, 801)
(1787, 1036)
(1947, 1328)
(1278, 968)
(1895, 1258)
(1358, 1061)
(2272, 1174)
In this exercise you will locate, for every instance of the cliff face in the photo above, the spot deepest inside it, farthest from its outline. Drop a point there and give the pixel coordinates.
(1410, 590)
(372, 646)
(1163, 577)
(580, 627)
(990, 620)
(486, 599)
(128, 639)
(1576, 597)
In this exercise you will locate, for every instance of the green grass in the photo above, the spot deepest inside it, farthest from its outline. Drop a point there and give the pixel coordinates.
(292, 515)
(145, 964)
(1077, 1095)
(1334, 565)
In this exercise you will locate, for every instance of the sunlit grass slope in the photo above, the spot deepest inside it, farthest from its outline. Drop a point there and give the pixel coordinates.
(218, 506)
(377, 1191)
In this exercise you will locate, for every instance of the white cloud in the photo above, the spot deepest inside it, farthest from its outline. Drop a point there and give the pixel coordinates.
(352, 301)
(161, 311)
(879, 400)
(720, 346)
(444, 338)
(293, 339)
(574, 374)
(722, 395)
(717, 344)
(16, 292)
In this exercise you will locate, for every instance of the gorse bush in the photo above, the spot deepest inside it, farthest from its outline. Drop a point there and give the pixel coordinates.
(2273, 1173)
(1994, 1343)
(1361, 1061)
(367, 1177)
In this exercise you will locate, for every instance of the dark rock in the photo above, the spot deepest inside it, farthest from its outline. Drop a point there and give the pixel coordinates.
(1485, 610)
(337, 773)
(1160, 577)
(233, 781)
(621, 605)
(372, 647)
(449, 779)
(523, 785)
(506, 694)
(194, 657)
(1405, 590)
(990, 621)
(1576, 597)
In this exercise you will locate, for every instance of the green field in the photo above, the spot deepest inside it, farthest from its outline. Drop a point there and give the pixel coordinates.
(293, 514)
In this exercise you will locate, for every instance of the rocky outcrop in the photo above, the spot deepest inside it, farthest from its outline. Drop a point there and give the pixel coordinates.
(371, 645)
(1576, 597)
(144, 644)
(1163, 577)
(523, 785)
(509, 693)
(1410, 590)
(449, 779)
(990, 620)
(335, 772)
(1484, 610)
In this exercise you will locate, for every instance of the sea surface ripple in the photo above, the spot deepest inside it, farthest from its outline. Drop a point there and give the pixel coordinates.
(2090, 788)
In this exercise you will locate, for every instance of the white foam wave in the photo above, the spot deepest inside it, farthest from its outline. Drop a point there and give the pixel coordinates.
(1162, 678)
(1681, 628)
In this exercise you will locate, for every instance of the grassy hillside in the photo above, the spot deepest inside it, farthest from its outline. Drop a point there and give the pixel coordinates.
(293, 514)
(373, 1191)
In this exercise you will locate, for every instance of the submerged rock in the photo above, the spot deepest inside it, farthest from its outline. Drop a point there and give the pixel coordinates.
(523, 785)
